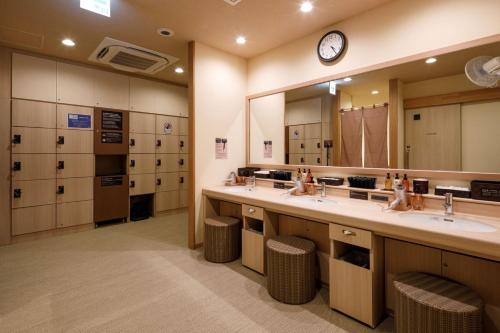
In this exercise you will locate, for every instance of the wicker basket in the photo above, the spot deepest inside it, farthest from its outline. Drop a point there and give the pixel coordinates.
(222, 239)
(291, 269)
(428, 304)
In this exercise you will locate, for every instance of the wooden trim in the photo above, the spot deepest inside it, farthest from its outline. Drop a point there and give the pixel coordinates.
(393, 122)
(453, 98)
(52, 233)
(247, 130)
(5, 153)
(192, 147)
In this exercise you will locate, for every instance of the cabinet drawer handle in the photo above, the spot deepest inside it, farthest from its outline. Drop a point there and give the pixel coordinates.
(158, 162)
(158, 143)
(348, 232)
(132, 183)
(181, 144)
(302, 146)
(60, 190)
(17, 193)
(251, 210)
(181, 161)
(158, 181)
(60, 140)
(318, 145)
(17, 139)
(181, 180)
(132, 163)
(60, 165)
(16, 166)
(132, 142)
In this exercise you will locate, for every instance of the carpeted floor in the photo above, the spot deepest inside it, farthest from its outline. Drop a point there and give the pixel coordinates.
(140, 277)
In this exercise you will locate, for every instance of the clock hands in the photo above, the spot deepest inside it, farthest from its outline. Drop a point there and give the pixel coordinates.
(333, 49)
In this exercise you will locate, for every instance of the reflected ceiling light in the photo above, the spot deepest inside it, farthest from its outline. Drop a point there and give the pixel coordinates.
(375, 92)
(347, 79)
(68, 42)
(179, 70)
(241, 40)
(430, 60)
(306, 7)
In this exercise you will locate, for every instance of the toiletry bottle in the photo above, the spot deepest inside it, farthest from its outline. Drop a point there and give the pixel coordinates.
(388, 182)
(406, 183)
(397, 176)
(309, 178)
(299, 174)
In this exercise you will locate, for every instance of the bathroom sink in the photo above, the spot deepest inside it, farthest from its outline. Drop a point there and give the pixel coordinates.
(239, 189)
(451, 222)
(310, 200)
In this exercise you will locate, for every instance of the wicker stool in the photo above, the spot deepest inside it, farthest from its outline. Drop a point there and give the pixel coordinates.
(291, 269)
(428, 304)
(222, 239)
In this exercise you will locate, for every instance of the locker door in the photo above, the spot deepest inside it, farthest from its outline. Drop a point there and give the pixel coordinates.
(75, 213)
(75, 142)
(296, 132)
(297, 146)
(33, 219)
(142, 122)
(75, 189)
(167, 163)
(183, 162)
(75, 165)
(33, 114)
(183, 181)
(29, 193)
(142, 184)
(183, 199)
(167, 125)
(167, 181)
(141, 143)
(313, 146)
(167, 200)
(167, 144)
(296, 159)
(312, 131)
(33, 140)
(141, 163)
(33, 166)
(313, 159)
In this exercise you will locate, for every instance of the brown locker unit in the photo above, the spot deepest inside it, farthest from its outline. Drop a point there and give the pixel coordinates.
(111, 136)
(110, 197)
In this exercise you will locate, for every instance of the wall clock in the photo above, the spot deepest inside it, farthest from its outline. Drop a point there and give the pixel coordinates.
(331, 46)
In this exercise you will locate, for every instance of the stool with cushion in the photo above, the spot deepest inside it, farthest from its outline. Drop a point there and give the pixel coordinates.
(291, 269)
(222, 239)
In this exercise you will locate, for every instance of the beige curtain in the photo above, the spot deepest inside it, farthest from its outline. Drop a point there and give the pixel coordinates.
(375, 131)
(351, 127)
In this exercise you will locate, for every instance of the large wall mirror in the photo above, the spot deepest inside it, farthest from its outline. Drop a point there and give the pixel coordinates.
(424, 115)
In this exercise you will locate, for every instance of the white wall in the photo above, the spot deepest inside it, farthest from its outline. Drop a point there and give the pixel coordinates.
(219, 95)
(267, 118)
(399, 29)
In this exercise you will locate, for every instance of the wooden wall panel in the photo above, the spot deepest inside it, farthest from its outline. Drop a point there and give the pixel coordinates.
(5, 91)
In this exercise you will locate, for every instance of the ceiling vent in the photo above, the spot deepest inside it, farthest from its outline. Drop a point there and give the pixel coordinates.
(130, 58)
(232, 2)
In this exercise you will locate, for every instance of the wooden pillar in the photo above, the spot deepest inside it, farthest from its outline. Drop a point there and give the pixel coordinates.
(394, 110)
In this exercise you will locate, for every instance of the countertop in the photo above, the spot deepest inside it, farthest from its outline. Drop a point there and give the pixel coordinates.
(370, 215)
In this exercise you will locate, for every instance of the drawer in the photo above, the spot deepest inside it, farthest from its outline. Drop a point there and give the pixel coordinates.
(252, 250)
(313, 146)
(75, 189)
(141, 184)
(183, 162)
(33, 219)
(75, 213)
(350, 235)
(33, 140)
(167, 163)
(167, 181)
(166, 200)
(183, 199)
(296, 132)
(141, 163)
(312, 131)
(33, 166)
(33, 114)
(183, 126)
(184, 181)
(66, 115)
(252, 211)
(75, 165)
(167, 125)
(167, 144)
(28, 193)
(74, 142)
(141, 123)
(141, 143)
(183, 144)
(313, 159)
(296, 146)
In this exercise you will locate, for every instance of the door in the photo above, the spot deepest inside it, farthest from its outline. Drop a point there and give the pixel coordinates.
(312, 131)
(313, 146)
(75, 189)
(31, 193)
(33, 78)
(167, 163)
(140, 143)
(167, 125)
(75, 84)
(142, 122)
(141, 163)
(33, 219)
(33, 114)
(33, 166)
(313, 159)
(433, 138)
(75, 213)
(33, 140)
(183, 126)
(183, 162)
(75, 165)
(296, 132)
(183, 144)
(296, 146)
(142, 184)
(167, 144)
(74, 142)
(167, 200)
(111, 90)
(167, 181)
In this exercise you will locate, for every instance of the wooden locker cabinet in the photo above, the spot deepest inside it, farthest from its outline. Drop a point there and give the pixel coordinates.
(167, 201)
(167, 125)
(33, 166)
(33, 140)
(167, 163)
(64, 111)
(183, 181)
(167, 144)
(313, 146)
(75, 84)
(141, 143)
(312, 131)
(167, 182)
(297, 146)
(75, 165)
(33, 78)
(33, 219)
(142, 123)
(313, 159)
(183, 199)
(33, 114)
(75, 189)
(75, 213)
(141, 163)
(296, 132)
(183, 144)
(111, 90)
(141, 184)
(183, 126)
(296, 159)
(74, 142)
(29, 193)
(183, 162)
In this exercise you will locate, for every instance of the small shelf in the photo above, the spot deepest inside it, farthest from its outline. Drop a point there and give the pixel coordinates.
(355, 255)
(254, 225)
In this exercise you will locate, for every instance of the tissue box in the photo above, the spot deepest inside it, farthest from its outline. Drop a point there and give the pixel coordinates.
(485, 190)
(459, 192)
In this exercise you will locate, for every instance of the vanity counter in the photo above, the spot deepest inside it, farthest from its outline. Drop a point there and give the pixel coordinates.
(371, 216)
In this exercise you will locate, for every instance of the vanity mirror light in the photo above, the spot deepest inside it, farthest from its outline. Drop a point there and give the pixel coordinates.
(420, 115)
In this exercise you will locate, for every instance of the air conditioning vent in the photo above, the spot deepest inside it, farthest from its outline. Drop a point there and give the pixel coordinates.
(130, 58)
(232, 2)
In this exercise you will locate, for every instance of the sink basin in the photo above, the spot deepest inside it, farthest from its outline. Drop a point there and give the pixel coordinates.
(310, 200)
(239, 189)
(449, 222)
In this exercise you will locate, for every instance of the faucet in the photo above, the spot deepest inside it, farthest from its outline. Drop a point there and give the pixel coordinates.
(401, 197)
(448, 204)
(323, 189)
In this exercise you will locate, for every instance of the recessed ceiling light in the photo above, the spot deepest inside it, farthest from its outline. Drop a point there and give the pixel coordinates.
(241, 40)
(68, 42)
(347, 79)
(430, 60)
(306, 7)
(179, 70)
(165, 32)
(375, 92)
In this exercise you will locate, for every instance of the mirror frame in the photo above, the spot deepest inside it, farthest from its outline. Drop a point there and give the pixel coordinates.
(436, 174)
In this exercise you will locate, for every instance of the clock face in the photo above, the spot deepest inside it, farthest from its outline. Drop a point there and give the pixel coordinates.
(331, 46)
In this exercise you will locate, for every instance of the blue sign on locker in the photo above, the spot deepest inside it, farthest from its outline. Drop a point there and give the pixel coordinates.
(79, 120)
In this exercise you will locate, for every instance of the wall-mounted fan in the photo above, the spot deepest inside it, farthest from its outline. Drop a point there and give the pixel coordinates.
(484, 71)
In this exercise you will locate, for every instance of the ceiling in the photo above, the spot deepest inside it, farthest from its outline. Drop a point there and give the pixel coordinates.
(39, 26)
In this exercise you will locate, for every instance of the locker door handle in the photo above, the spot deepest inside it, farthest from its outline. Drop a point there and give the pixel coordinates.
(181, 161)
(132, 183)
(158, 162)
(60, 189)
(318, 160)
(60, 165)
(158, 181)
(60, 140)
(302, 145)
(318, 145)
(132, 142)
(181, 144)
(301, 160)
(17, 166)
(158, 143)
(132, 163)
(16, 139)
(17, 193)
(181, 180)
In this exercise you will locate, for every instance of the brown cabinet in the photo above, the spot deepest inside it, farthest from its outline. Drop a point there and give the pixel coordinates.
(71, 141)
(33, 219)
(75, 213)
(33, 114)
(141, 163)
(75, 189)
(142, 184)
(27, 140)
(28, 193)
(75, 165)
(140, 143)
(111, 135)
(167, 182)
(111, 197)
(167, 144)
(33, 166)
(167, 200)
(142, 123)
(167, 163)
(167, 125)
